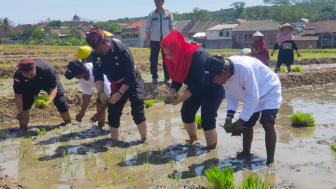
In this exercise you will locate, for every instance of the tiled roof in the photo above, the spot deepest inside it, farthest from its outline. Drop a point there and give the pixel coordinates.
(182, 25)
(260, 25)
(240, 20)
(203, 26)
(140, 23)
(54, 30)
(326, 26)
(222, 26)
(306, 38)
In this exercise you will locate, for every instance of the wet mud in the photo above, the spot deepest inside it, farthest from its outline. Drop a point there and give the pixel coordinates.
(81, 155)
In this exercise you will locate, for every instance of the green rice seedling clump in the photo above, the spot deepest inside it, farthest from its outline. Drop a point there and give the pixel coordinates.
(198, 120)
(41, 100)
(169, 100)
(302, 120)
(220, 179)
(149, 103)
(282, 69)
(253, 183)
(297, 69)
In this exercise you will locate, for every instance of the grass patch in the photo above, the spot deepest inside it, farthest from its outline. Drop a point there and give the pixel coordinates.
(41, 100)
(297, 69)
(149, 103)
(302, 120)
(198, 120)
(333, 144)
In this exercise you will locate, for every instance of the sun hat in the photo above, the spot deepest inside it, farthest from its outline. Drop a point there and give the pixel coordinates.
(26, 65)
(75, 67)
(84, 52)
(286, 25)
(258, 34)
(245, 52)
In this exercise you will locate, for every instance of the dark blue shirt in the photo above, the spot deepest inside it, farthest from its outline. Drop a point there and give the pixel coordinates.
(196, 72)
(118, 63)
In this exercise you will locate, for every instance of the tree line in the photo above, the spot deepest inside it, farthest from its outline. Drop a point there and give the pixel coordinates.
(281, 11)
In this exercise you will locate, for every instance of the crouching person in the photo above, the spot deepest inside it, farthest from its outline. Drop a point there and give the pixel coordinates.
(115, 60)
(248, 80)
(84, 73)
(32, 76)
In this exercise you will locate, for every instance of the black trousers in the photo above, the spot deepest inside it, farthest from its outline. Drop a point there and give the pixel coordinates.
(154, 57)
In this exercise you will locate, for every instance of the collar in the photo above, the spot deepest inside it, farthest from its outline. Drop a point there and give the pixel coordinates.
(163, 10)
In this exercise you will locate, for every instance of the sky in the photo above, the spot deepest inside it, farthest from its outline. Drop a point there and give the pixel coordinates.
(35, 11)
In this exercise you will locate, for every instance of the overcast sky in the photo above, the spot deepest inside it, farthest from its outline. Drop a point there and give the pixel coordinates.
(34, 11)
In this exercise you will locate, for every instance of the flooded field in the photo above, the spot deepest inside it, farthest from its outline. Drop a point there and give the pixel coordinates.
(81, 155)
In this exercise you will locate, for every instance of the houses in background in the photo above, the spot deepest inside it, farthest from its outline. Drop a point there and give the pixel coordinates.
(215, 35)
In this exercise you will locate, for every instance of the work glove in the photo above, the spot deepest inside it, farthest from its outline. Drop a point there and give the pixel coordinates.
(19, 116)
(79, 117)
(102, 97)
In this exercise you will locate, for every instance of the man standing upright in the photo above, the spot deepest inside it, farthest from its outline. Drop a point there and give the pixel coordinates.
(159, 24)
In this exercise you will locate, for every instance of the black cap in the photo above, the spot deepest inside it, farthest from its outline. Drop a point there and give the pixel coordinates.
(213, 66)
(75, 67)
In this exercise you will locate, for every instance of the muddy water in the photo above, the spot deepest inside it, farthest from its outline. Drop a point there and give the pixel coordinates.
(81, 155)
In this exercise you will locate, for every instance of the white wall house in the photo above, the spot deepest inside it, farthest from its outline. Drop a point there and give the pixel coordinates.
(220, 36)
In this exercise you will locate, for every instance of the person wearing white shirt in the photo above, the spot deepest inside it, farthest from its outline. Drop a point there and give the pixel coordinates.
(247, 80)
(83, 72)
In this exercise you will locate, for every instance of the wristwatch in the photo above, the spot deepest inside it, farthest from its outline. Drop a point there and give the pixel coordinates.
(122, 93)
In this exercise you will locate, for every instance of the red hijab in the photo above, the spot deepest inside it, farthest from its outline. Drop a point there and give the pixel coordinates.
(182, 54)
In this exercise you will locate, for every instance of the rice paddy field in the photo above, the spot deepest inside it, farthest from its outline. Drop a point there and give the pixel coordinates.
(81, 155)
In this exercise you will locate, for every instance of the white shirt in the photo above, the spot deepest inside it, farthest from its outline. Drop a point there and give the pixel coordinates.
(86, 85)
(253, 84)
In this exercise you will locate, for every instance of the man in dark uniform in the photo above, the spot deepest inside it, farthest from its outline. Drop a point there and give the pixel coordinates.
(32, 76)
(115, 60)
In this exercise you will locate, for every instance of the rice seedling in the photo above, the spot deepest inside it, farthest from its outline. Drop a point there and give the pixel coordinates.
(64, 153)
(91, 152)
(333, 144)
(171, 163)
(256, 183)
(24, 153)
(160, 151)
(115, 176)
(66, 169)
(302, 120)
(44, 149)
(221, 179)
(130, 181)
(36, 158)
(107, 164)
(99, 181)
(132, 148)
(56, 130)
(149, 103)
(86, 170)
(283, 69)
(95, 160)
(53, 163)
(51, 127)
(78, 165)
(73, 174)
(68, 160)
(143, 146)
(39, 133)
(108, 185)
(297, 69)
(169, 100)
(176, 176)
(198, 120)
(123, 158)
(2, 147)
(152, 178)
(41, 100)
(194, 171)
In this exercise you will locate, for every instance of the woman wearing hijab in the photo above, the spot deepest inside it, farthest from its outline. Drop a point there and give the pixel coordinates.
(185, 65)
(286, 44)
(259, 48)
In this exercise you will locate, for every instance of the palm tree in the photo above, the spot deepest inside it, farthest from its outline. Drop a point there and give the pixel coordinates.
(5, 23)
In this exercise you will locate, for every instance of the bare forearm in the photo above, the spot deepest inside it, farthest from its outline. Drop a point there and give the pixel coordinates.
(19, 102)
(52, 95)
(100, 85)
(86, 100)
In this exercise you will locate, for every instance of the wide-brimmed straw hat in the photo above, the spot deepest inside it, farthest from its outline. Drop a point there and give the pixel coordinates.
(286, 25)
(258, 34)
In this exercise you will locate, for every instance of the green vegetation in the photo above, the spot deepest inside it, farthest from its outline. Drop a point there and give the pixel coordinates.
(253, 183)
(297, 69)
(220, 179)
(115, 176)
(149, 103)
(198, 120)
(169, 100)
(333, 144)
(302, 120)
(41, 100)
(283, 69)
